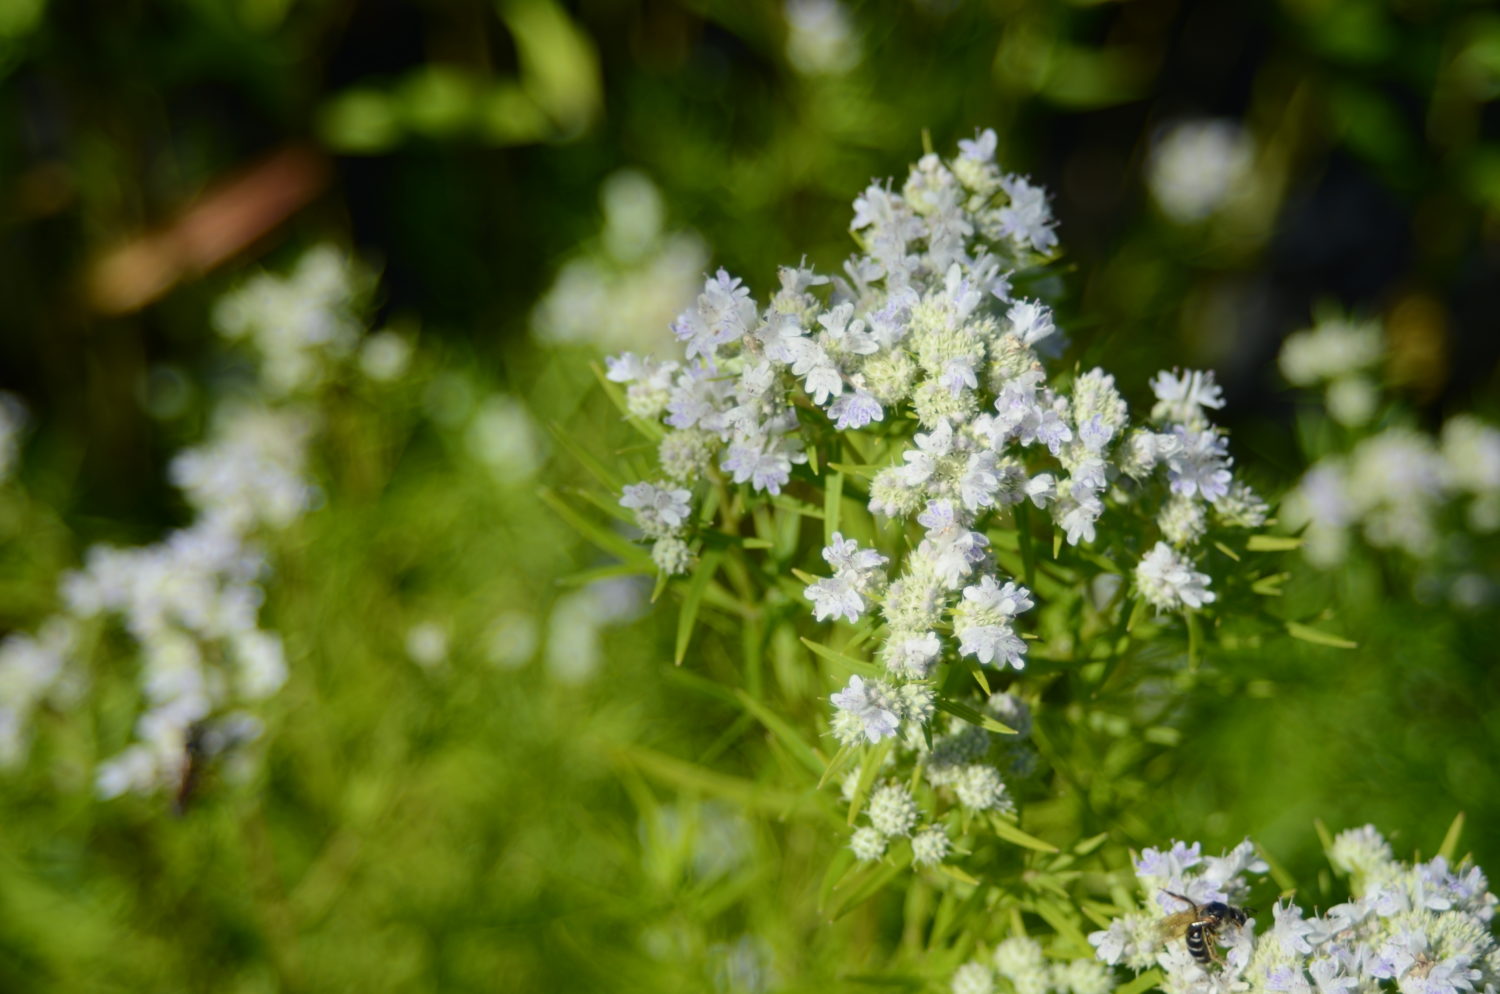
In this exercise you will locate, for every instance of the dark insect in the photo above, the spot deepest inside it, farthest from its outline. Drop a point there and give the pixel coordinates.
(1200, 925)
(207, 741)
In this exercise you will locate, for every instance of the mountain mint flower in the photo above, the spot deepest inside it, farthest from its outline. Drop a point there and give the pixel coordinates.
(973, 978)
(892, 811)
(867, 844)
(660, 510)
(1412, 927)
(863, 710)
(929, 846)
(1168, 582)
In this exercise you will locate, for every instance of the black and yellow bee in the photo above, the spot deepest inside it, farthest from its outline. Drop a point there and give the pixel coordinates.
(1200, 925)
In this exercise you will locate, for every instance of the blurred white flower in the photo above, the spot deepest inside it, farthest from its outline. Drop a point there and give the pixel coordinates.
(427, 644)
(820, 38)
(1197, 165)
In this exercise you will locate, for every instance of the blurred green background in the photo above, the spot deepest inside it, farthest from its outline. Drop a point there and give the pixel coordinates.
(484, 827)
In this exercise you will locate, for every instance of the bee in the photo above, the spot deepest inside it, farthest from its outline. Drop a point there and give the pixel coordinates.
(1200, 924)
(205, 743)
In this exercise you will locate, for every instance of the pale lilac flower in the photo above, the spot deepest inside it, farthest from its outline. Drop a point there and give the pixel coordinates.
(1181, 398)
(1167, 581)
(659, 509)
(845, 555)
(981, 148)
(861, 701)
(835, 597)
(855, 410)
(1030, 321)
(1027, 218)
(1200, 465)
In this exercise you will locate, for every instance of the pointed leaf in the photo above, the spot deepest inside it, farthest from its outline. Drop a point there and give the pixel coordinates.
(838, 658)
(596, 469)
(1450, 840)
(833, 499)
(973, 716)
(874, 884)
(779, 727)
(1011, 832)
(692, 600)
(1150, 980)
(872, 761)
(614, 544)
(1313, 635)
(1272, 543)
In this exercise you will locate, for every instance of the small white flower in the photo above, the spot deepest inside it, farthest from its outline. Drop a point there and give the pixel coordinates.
(1181, 398)
(930, 845)
(892, 810)
(865, 703)
(1167, 581)
(835, 597)
(659, 509)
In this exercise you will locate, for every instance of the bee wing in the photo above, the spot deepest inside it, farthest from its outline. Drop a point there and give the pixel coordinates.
(1175, 924)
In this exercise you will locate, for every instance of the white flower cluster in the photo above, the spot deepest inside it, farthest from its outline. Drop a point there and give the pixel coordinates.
(820, 37)
(923, 333)
(1198, 166)
(663, 512)
(1337, 355)
(301, 324)
(623, 292)
(191, 602)
(1420, 928)
(1394, 486)
(1021, 963)
(964, 767)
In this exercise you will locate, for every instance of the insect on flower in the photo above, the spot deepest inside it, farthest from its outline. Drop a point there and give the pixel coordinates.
(206, 742)
(1200, 924)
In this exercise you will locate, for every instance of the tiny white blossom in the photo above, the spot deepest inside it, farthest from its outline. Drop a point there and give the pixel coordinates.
(864, 703)
(1167, 581)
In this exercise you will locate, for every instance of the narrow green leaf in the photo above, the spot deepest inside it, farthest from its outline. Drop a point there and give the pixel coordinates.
(1323, 835)
(587, 576)
(871, 762)
(839, 868)
(836, 765)
(615, 545)
(980, 677)
(1270, 586)
(692, 777)
(1094, 912)
(1090, 844)
(1149, 980)
(796, 506)
(692, 600)
(1227, 551)
(1450, 840)
(973, 716)
(1011, 832)
(596, 469)
(724, 540)
(650, 429)
(855, 469)
(1279, 873)
(838, 658)
(833, 499)
(949, 870)
(1028, 547)
(1064, 926)
(609, 504)
(1313, 635)
(873, 884)
(778, 726)
(1272, 543)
